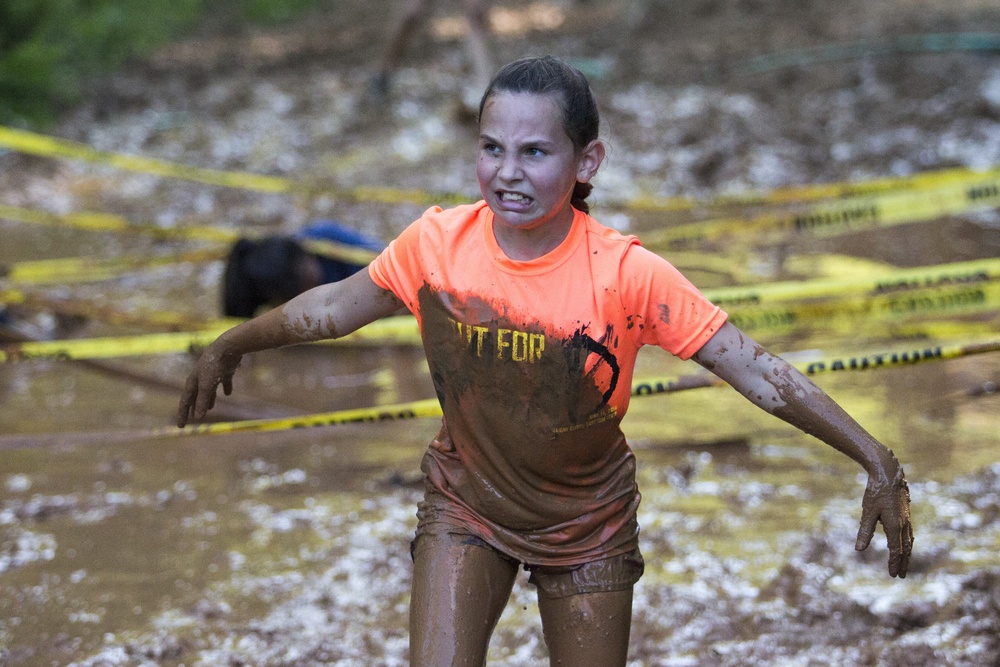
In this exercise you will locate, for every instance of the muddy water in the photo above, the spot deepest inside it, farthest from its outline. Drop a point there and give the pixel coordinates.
(291, 548)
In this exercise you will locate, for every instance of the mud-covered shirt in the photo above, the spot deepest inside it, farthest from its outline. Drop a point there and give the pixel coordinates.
(532, 362)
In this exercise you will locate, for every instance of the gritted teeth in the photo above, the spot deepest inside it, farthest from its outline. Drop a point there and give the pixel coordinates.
(513, 196)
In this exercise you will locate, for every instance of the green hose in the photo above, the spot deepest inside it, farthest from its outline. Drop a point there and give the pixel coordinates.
(965, 41)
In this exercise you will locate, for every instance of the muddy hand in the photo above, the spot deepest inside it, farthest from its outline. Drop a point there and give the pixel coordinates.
(214, 368)
(888, 503)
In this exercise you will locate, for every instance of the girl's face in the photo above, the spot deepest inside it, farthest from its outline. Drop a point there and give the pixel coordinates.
(527, 165)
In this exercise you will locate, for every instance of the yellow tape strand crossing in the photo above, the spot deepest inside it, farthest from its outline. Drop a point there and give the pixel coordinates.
(161, 320)
(39, 144)
(902, 356)
(882, 283)
(929, 180)
(883, 359)
(107, 222)
(81, 269)
(849, 215)
(945, 290)
(388, 331)
(845, 313)
(48, 146)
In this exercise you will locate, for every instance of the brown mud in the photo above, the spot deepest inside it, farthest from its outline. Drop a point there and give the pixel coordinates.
(292, 548)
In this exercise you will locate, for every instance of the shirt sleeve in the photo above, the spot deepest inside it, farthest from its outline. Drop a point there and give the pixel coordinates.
(665, 308)
(398, 267)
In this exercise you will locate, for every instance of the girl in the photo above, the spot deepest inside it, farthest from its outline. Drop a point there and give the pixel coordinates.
(532, 314)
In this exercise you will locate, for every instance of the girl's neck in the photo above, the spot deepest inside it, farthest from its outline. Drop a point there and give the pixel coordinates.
(523, 245)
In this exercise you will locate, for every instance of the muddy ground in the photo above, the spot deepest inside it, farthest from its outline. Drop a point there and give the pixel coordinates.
(291, 548)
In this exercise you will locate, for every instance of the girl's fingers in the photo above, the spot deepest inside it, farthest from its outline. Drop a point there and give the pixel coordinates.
(866, 531)
(187, 400)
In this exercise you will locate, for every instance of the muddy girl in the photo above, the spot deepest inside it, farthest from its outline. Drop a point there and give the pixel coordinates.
(532, 314)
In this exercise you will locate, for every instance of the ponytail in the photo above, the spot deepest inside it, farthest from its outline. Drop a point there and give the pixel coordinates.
(580, 193)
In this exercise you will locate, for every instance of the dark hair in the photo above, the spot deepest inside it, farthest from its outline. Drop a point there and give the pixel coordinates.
(260, 272)
(546, 75)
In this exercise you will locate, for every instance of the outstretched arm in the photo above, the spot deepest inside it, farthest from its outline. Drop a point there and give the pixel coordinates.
(327, 311)
(776, 386)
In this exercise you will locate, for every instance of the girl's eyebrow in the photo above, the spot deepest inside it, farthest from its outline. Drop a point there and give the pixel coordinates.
(529, 142)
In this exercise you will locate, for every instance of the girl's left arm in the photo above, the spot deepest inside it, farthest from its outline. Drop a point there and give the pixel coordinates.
(776, 386)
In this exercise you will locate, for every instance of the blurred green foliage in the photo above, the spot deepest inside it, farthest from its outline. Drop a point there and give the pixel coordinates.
(52, 50)
(274, 11)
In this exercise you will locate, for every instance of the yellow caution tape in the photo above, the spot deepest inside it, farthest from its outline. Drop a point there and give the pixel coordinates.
(928, 180)
(341, 251)
(957, 288)
(730, 298)
(902, 356)
(857, 312)
(886, 358)
(387, 195)
(849, 215)
(82, 269)
(950, 300)
(106, 222)
(882, 359)
(948, 289)
(390, 330)
(102, 348)
(43, 145)
(881, 283)
(156, 319)
(412, 410)
(946, 330)
(39, 144)
(897, 357)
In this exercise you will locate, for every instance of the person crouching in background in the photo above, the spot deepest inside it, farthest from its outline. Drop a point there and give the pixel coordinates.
(271, 270)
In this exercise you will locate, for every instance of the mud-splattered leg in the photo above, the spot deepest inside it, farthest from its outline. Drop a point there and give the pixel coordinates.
(459, 592)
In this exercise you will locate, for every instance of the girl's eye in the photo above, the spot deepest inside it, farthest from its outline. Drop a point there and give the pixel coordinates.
(534, 152)
(492, 149)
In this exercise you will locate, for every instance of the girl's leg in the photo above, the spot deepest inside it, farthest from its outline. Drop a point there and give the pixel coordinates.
(587, 629)
(460, 588)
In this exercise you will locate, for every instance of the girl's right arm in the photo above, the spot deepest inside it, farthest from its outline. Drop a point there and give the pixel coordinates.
(773, 384)
(327, 311)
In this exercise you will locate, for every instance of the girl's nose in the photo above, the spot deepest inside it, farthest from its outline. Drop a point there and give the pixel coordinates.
(509, 169)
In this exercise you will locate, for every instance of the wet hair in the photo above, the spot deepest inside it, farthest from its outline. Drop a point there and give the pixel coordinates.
(260, 272)
(548, 75)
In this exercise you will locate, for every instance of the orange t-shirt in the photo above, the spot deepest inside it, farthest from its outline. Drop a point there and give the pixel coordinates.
(532, 362)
